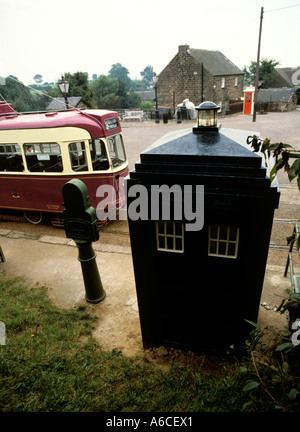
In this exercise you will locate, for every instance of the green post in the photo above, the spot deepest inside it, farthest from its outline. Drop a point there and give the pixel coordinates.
(94, 292)
(80, 222)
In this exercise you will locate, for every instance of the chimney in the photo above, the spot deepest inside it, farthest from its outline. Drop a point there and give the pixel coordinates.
(183, 48)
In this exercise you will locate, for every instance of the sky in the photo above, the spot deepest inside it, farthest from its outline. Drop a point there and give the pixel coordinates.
(57, 36)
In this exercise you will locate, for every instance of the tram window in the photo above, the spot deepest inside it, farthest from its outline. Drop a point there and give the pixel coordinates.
(78, 156)
(98, 155)
(43, 157)
(116, 150)
(11, 158)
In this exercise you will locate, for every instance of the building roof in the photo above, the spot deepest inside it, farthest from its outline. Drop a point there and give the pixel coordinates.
(215, 62)
(58, 104)
(286, 74)
(275, 94)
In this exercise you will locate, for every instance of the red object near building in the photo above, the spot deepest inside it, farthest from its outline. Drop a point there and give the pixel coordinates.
(249, 100)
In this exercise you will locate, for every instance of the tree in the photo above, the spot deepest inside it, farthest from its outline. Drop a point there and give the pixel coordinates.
(120, 72)
(148, 73)
(18, 95)
(132, 100)
(79, 86)
(107, 92)
(266, 71)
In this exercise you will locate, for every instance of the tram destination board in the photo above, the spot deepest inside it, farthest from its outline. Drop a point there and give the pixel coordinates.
(111, 124)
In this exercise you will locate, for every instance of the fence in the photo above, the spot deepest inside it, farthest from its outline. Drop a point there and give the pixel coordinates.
(234, 107)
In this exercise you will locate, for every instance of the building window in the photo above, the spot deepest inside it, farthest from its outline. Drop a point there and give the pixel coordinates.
(170, 236)
(236, 81)
(222, 82)
(223, 241)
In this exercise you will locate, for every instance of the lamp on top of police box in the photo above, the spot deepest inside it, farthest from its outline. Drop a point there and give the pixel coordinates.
(207, 117)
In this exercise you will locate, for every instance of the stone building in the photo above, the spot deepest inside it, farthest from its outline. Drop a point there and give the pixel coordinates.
(277, 99)
(199, 75)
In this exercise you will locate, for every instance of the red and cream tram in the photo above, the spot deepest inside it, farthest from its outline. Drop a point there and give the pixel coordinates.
(40, 152)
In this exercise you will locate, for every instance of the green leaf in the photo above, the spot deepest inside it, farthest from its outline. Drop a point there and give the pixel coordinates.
(282, 145)
(273, 146)
(265, 145)
(246, 404)
(285, 346)
(275, 168)
(252, 323)
(287, 146)
(285, 367)
(251, 385)
(293, 394)
(296, 165)
(291, 174)
(298, 181)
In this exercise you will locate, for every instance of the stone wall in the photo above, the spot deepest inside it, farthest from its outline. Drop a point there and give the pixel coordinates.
(186, 78)
(181, 79)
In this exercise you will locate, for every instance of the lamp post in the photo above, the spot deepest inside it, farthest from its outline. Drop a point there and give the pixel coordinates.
(64, 88)
(155, 79)
(207, 117)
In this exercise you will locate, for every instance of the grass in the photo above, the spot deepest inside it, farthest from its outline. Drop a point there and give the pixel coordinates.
(52, 363)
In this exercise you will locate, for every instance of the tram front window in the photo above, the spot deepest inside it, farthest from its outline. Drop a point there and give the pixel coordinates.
(116, 150)
(98, 155)
(11, 158)
(78, 156)
(43, 157)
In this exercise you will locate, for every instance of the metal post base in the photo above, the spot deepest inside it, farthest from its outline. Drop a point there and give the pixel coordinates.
(95, 292)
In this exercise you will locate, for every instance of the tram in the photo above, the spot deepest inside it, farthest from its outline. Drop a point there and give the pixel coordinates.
(40, 152)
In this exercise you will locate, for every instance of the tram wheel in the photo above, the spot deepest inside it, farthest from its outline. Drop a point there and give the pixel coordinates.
(33, 217)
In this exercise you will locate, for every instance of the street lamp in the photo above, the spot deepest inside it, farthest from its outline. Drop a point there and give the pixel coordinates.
(155, 79)
(64, 88)
(207, 117)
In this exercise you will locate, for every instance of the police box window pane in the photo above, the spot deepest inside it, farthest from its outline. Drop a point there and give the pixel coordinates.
(43, 157)
(222, 248)
(161, 242)
(169, 236)
(170, 243)
(232, 249)
(213, 247)
(223, 231)
(78, 156)
(223, 241)
(170, 228)
(214, 232)
(232, 233)
(178, 244)
(11, 158)
(161, 227)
